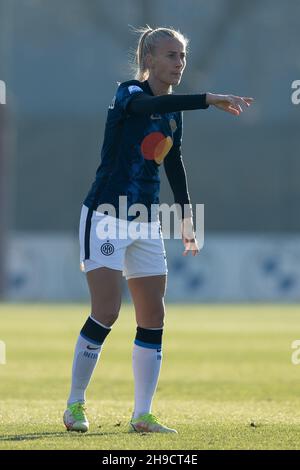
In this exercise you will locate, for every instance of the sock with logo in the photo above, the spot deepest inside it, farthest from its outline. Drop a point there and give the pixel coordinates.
(146, 360)
(87, 353)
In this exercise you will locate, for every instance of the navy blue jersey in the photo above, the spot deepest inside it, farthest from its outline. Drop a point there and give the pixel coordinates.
(134, 147)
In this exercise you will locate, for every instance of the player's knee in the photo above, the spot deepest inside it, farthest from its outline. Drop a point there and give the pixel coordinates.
(152, 317)
(106, 319)
(160, 320)
(107, 314)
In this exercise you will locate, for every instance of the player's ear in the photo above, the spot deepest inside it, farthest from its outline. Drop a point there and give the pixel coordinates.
(149, 60)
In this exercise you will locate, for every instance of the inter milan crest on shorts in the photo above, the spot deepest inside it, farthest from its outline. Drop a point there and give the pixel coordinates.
(107, 249)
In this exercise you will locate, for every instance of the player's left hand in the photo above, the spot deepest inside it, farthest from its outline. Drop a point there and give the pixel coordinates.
(190, 245)
(188, 237)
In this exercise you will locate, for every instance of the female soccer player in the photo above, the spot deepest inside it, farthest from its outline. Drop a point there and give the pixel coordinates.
(143, 130)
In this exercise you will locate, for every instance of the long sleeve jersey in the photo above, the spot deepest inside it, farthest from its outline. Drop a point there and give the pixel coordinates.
(142, 132)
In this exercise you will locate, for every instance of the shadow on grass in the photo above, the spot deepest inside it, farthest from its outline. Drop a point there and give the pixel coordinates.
(47, 435)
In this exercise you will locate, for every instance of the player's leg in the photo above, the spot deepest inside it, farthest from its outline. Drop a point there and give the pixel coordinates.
(105, 289)
(148, 298)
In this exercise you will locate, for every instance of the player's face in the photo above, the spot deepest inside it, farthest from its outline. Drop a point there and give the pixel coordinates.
(168, 62)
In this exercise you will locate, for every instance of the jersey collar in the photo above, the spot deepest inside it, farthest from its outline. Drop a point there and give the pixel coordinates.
(148, 89)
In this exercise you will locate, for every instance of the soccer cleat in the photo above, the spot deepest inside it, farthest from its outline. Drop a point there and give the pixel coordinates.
(149, 423)
(75, 418)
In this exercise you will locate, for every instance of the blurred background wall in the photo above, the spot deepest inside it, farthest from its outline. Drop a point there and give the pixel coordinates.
(61, 60)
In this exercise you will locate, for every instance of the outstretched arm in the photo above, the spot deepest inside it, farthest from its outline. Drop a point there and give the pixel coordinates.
(142, 103)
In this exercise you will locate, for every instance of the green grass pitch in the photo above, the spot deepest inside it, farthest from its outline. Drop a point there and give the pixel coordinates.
(227, 380)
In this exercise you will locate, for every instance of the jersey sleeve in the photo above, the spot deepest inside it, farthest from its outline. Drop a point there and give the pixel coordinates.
(177, 137)
(162, 104)
(176, 174)
(126, 93)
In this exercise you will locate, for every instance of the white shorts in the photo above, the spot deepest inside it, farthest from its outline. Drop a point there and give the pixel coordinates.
(121, 249)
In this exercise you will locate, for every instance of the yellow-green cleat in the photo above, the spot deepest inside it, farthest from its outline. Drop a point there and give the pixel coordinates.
(149, 423)
(75, 418)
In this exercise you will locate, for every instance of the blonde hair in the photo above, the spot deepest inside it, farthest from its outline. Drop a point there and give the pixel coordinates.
(147, 43)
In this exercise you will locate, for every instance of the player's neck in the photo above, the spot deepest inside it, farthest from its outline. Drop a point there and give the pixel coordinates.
(158, 87)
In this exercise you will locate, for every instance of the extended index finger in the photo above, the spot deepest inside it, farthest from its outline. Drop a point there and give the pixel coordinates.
(248, 99)
(245, 101)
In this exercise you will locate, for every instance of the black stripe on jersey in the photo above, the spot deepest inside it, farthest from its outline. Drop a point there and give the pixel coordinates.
(87, 233)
